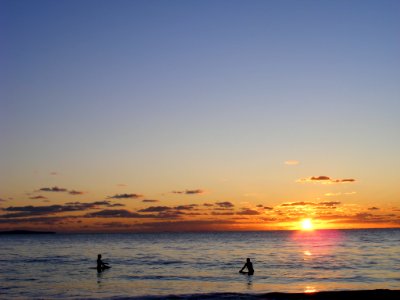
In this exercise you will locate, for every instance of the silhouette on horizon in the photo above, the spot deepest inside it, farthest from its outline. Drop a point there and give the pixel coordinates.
(101, 266)
(249, 266)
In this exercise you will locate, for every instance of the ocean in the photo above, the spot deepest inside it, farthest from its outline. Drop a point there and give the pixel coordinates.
(61, 266)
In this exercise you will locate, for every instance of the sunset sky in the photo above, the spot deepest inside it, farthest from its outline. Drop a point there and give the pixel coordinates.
(199, 115)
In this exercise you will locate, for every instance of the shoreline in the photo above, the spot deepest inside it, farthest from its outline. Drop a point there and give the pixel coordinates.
(330, 295)
(378, 294)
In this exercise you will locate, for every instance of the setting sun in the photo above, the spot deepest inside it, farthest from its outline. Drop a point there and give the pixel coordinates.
(307, 224)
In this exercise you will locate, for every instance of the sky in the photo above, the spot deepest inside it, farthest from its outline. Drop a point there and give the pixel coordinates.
(199, 115)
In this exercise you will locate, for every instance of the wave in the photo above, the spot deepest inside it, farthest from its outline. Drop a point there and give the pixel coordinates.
(172, 277)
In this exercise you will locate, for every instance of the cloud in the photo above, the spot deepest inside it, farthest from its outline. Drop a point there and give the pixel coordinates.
(53, 189)
(178, 192)
(249, 212)
(367, 217)
(125, 196)
(73, 192)
(38, 197)
(30, 210)
(54, 173)
(320, 178)
(162, 212)
(176, 209)
(115, 205)
(23, 211)
(359, 218)
(91, 205)
(373, 208)
(324, 180)
(116, 213)
(2, 200)
(219, 213)
(37, 220)
(292, 162)
(155, 209)
(208, 204)
(173, 214)
(186, 207)
(149, 200)
(24, 214)
(330, 203)
(265, 207)
(57, 189)
(189, 192)
(114, 225)
(302, 203)
(339, 194)
(122, 185)
(187, 225)
(225, 204)
(343, 180)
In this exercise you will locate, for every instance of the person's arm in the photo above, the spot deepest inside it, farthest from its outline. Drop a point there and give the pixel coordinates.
(245, 265)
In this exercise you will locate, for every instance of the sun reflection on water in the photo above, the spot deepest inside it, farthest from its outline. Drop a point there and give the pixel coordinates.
(318, 242)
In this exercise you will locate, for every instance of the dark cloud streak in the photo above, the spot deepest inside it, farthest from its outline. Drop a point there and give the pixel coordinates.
(325, 179)
(38, 197)
(126, 196)
(53, 189)
(189, 192)
(30, 210)
(225, 204)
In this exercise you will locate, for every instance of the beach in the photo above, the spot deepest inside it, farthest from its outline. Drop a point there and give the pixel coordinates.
(344, 295)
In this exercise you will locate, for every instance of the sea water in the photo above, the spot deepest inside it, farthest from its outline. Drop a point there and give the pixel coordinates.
(63, 265)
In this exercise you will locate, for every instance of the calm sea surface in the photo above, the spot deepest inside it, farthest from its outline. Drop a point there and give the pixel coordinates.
(61, 265)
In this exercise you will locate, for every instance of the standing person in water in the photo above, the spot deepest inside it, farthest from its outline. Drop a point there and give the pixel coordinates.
(101, 266)
(249, 266)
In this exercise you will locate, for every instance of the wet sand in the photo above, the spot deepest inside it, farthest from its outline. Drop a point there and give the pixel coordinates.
(340, 295)
(333, 295)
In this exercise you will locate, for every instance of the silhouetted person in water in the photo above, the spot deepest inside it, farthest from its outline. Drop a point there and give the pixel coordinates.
(101, 266)
(249, 266)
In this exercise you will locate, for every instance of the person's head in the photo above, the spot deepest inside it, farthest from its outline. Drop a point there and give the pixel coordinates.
(248, 259)
(98, 255)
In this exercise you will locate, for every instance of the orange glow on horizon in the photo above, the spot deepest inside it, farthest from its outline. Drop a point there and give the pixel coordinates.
(310, 289)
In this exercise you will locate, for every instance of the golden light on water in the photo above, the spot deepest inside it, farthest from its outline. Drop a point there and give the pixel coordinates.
(307, 224)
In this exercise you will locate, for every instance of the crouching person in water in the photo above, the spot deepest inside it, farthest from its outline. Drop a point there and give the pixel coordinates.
(101, 266)
(249, 266)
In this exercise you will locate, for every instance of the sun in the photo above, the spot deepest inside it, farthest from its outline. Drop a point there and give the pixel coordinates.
(306, 224)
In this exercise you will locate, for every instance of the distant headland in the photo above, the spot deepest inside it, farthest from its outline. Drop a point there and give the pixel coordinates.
(26, 232)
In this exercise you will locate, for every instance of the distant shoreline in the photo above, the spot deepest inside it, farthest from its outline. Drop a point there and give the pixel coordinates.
(26, 232)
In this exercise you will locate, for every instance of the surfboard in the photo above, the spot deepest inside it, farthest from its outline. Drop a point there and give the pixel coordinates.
(104, 268)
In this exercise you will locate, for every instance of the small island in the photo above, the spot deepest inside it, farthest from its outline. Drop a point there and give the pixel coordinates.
(26, 232)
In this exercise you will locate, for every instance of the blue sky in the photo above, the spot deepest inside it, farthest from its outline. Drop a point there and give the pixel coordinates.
(186, 94)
